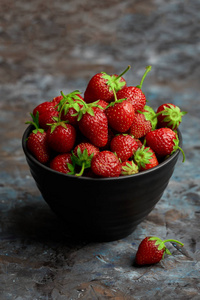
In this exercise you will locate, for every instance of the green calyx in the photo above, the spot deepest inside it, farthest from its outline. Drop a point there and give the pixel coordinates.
(35, 123)
(150, 115)
(113, 81)
(142, 157)
(177, 147)
(148, 69)
(82, 159)
(161, 244)
(129, 169)
(173, 115)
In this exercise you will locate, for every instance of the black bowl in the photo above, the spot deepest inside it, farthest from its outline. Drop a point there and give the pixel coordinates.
(101, 209)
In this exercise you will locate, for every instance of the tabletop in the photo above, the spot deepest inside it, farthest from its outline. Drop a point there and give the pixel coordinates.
(48, 46)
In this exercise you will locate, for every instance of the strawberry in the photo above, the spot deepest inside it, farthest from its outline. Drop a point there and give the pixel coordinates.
(120, 114)
(128, 168)
(163, 141)
(145, 158)
(43, 107)
(61, 137)
(82, 156)
(69, 105)
(134, 94)
(37, 141)
(50, 116)
(124, 146)
(143, 122)
(106, 164)
(63, 163)
(169, 115)
(101, 86)
(93, 124)
(152, 249)
(56, 100)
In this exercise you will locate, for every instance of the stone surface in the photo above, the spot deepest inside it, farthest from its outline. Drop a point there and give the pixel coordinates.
(48, 46)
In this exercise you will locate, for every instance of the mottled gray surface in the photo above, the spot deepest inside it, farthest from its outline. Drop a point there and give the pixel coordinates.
(48, 46)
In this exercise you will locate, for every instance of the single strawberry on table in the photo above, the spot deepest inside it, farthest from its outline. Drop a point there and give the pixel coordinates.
(101, 86)
(37, 141)
(152, 249)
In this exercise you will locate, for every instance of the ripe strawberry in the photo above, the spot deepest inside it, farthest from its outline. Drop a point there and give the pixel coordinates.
(82, 156)
(63, 163)
(48, 117)
(69, 106)
(101, 86)
(134, 94)
(106, 164)
(128, 168)
(47, 114)
(169, 115)
(93, 124)
(61, 137)
(120, 115)
(151, 250)
(144, 122)
(56, 100)
(124, 146)
(37, 141)
(163, 141)
(145, 158)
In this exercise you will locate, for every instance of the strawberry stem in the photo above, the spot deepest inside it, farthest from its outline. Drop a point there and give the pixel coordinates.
(148, 68)
(173, 241)
(128, 68)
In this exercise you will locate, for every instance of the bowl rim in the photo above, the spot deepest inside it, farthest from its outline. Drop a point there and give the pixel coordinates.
(140, 174)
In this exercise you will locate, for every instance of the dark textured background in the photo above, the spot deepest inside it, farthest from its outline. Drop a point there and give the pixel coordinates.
(49, 46)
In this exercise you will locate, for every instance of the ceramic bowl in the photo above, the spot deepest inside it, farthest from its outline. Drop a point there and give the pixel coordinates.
(101, 209)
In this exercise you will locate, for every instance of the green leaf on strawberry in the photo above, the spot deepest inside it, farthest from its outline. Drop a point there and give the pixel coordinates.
(35, 122)
(114, 82)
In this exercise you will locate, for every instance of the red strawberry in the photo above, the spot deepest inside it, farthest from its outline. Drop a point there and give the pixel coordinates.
(101, 86)
(145, 158)
(93, 124)
(48, 117)
(61, 137)
(124, 146)
(43, 107)
(120, 115)
(69, 106)
(128, 168)
(134, 94)
(82, 156)
(144, 122)
(56, 100)
(151, 250)
(37, 141)
(163, 141)
(106, 164)
(62, 163)
(169, 115)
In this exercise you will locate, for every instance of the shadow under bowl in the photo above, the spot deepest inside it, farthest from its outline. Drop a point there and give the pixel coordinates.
(101, 209)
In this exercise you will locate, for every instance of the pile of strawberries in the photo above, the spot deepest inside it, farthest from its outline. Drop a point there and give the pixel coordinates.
(109, 132)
